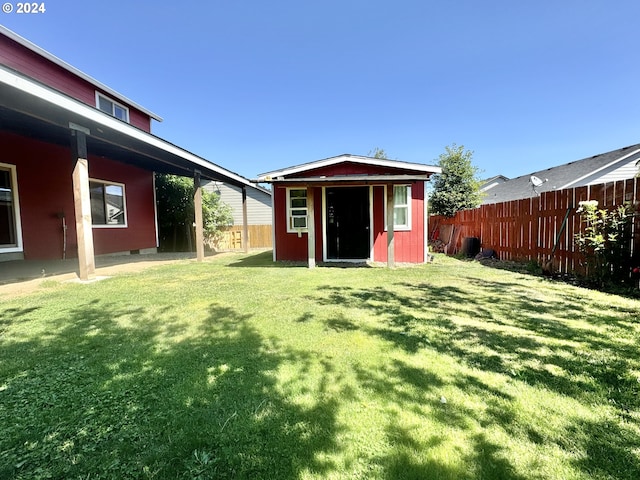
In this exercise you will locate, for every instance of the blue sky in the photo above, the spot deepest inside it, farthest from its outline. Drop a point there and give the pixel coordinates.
(256, 86)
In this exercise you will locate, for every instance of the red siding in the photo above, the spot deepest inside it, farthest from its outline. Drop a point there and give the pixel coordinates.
(409, 246)
(288, 245)
(33, 65)
(45, 190)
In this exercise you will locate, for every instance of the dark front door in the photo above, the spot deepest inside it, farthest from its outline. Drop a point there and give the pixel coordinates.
(347, 218)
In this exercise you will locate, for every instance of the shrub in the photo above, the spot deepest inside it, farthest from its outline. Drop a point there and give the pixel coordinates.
(605, 241)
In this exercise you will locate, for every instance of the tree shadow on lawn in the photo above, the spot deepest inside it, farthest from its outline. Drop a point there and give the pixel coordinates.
(523, 343)
(108, 392)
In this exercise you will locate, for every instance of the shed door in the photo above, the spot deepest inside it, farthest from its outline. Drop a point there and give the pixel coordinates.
(347, 218)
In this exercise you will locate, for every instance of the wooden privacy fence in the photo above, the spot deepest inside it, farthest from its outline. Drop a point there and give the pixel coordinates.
(259, 237)
(528, 229)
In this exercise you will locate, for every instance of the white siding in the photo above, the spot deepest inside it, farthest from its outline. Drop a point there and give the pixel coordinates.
(258, 202)
(618, 172)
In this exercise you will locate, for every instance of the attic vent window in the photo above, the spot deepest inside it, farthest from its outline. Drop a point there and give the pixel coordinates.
(112, 107)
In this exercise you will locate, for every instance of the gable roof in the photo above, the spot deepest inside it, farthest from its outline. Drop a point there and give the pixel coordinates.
(588, 171)
(61, 63)
(344, 158)
(489, 183)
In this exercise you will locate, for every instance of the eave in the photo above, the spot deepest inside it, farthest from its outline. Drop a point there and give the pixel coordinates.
(32, 109)
(350, 180)
(78, 73)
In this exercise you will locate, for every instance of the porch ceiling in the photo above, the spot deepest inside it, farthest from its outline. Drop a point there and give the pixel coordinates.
(33, 110)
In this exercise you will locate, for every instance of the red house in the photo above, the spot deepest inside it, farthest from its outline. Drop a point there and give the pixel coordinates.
(77, 163)
(338, 209)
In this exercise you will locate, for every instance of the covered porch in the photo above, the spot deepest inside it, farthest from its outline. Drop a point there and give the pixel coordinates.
(32, 110)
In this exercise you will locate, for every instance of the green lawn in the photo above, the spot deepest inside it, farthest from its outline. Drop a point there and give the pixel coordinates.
(238, 369)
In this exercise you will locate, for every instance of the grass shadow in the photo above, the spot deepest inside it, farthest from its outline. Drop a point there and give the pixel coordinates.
(128, 404)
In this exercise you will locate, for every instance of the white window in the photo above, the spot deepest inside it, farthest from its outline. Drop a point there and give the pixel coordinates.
(112, 107)
(10, 228)
(296, 210)
(108, 205)
(401, 207)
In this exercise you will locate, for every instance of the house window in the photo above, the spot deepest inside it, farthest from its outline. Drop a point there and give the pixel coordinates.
(296, 210)
(107, 204)
(112, 108)
(9, 212)
(401, 207)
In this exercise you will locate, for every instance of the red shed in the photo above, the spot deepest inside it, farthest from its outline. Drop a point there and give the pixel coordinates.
(338, 209)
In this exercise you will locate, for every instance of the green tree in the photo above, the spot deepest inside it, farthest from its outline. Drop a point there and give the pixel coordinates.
(457, 187)
(176, 213)
(378, 153)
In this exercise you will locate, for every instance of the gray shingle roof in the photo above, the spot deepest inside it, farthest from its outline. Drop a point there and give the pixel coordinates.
(572, 174)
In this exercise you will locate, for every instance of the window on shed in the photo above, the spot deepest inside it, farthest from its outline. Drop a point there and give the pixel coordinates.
(401, 207)
(296, 210)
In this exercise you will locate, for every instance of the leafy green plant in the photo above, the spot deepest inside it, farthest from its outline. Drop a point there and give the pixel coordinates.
(605, 241)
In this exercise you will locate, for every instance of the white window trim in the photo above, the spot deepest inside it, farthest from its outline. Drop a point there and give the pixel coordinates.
(290, 229)
(126, 109)
(401, 228)
(124, 204)
(18, 247)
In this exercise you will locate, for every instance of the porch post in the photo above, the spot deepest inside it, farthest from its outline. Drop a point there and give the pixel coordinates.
(311, 229)
(391, 261)
(82, 205)
(197, 205)
(245, 221)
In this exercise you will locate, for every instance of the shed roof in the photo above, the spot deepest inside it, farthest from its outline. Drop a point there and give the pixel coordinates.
(572, 174)
(418, 169)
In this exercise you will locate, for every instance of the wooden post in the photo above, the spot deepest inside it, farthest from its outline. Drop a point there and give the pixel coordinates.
(391, 261)
(245, 220)
(82, 205)
(311, 229)
(197, 205)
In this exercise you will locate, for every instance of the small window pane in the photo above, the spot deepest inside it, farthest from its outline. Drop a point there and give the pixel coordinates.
(105, 105)
(298, 202)
(400, 195)
(298, 212)
(98, 214)
(400, 217)
(299, 222)
(114, 198)
(120, 113)
(298, 193)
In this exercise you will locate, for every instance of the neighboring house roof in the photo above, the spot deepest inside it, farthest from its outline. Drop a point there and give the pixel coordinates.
(489, 183)
(606, 167)
(61, 63)
(296, 170)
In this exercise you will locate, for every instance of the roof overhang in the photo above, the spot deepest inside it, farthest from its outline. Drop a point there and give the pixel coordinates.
(32, 109)
(414, 168)
(352, 180)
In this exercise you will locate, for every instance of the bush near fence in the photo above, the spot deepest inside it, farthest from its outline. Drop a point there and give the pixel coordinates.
(527, 230)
